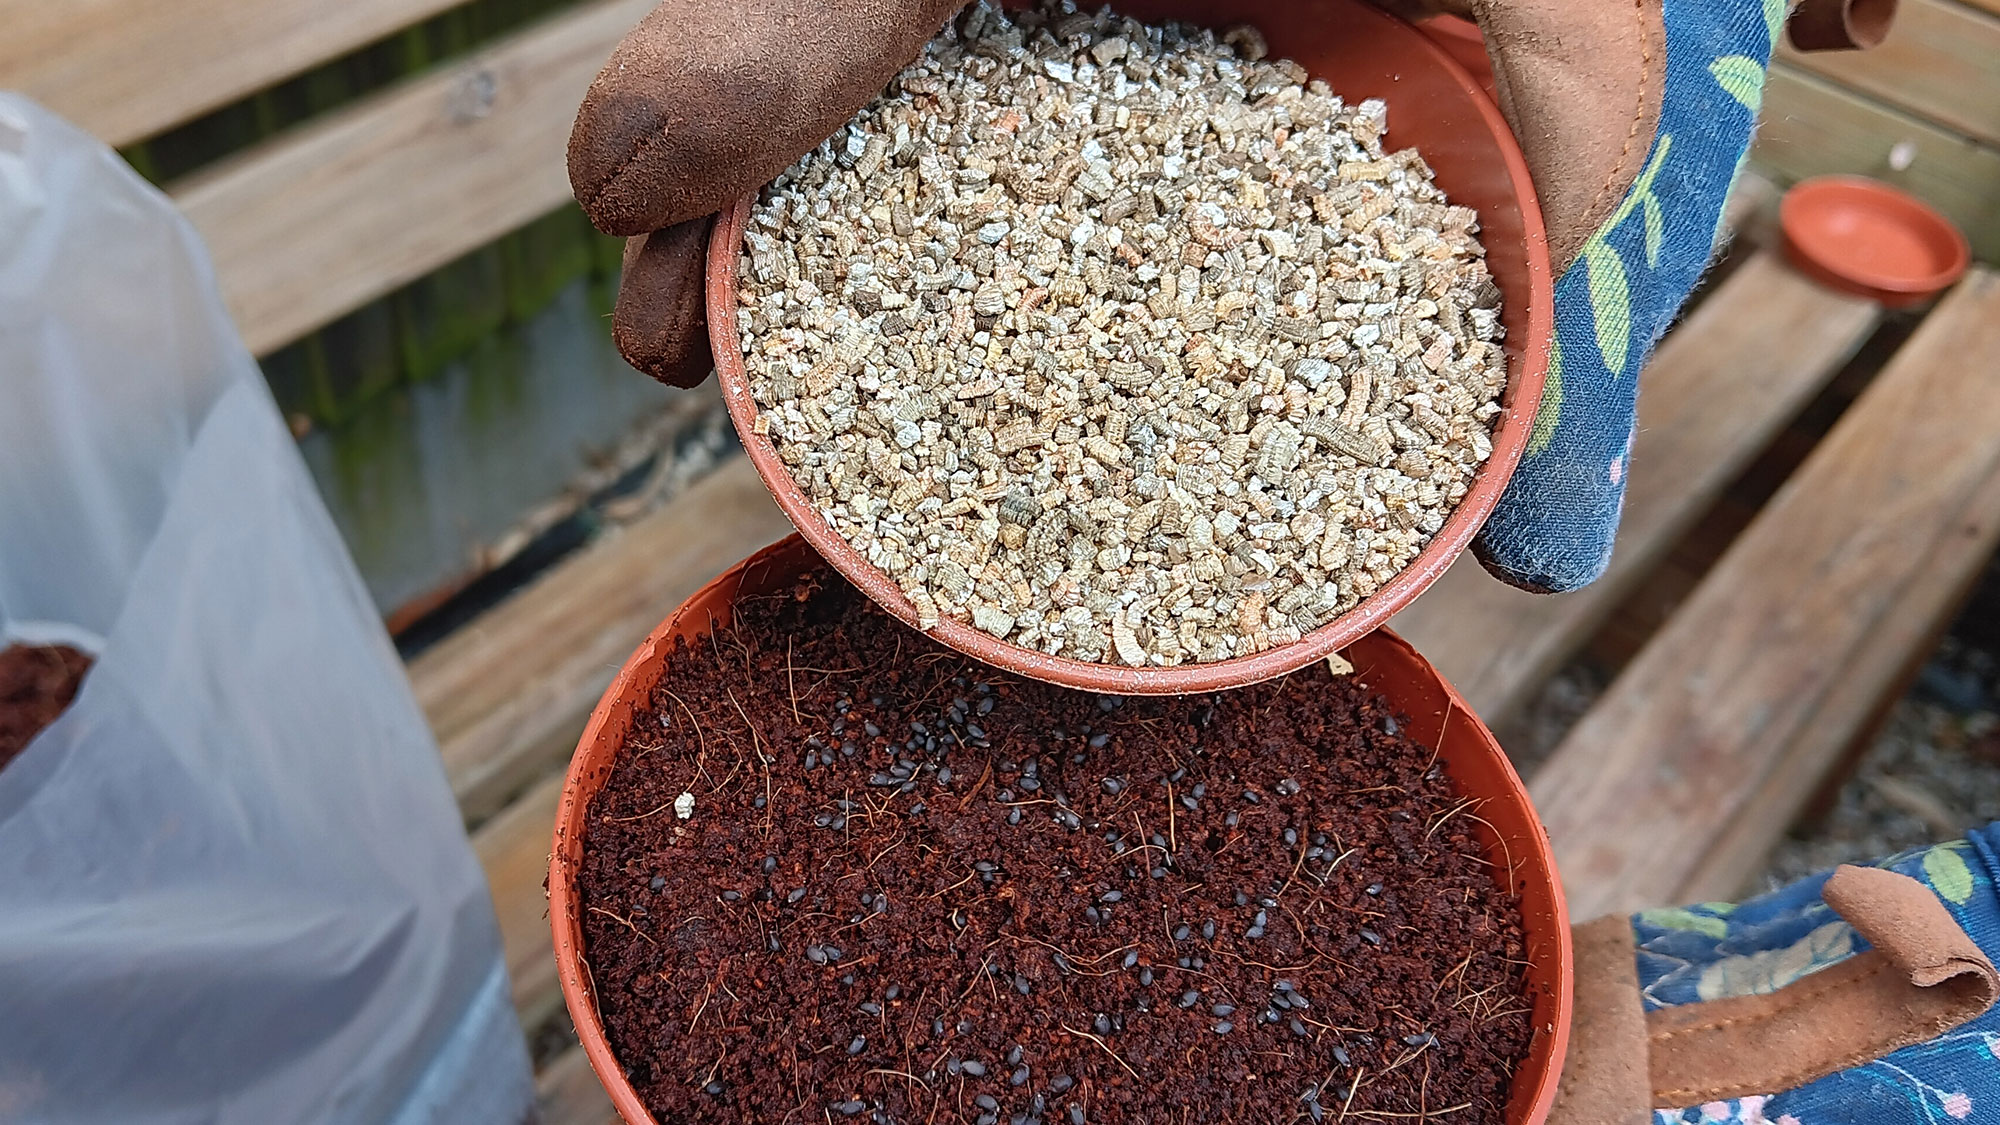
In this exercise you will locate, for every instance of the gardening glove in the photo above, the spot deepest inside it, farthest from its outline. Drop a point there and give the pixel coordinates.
(1634, 118)
(704, 102)
(1865, 995)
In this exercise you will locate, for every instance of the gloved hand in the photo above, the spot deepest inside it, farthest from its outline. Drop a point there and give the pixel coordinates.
(1633, 116)
(1861, 996)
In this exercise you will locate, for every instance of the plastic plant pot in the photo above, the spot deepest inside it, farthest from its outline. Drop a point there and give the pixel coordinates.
(1864, 237)
(1513, 837)
(1434, 106)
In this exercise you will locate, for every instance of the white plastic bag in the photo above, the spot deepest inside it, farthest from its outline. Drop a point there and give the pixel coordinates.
(233, 883)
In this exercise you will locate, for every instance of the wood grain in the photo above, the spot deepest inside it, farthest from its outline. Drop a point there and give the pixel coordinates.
(1812, 127)
(1870, 682)
(321, 220)
(1683, 741)
(1941, 62)
(507, 695)
(570, 1094)
(126, 69)
(1748, 357)
(514, 849)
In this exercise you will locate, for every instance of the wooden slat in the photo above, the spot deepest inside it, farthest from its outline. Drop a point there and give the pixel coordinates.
(126, 69)
(319, 221)
(1679, 746)
(1941, 62)
(508, 694)
(570, 1094)
(514, 849)
(1812, 127)
(1749, 356)
(1907, 635)
(1989, 5)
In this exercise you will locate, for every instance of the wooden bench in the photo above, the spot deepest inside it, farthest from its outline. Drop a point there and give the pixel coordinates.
(1679, 780)
(1747, 679)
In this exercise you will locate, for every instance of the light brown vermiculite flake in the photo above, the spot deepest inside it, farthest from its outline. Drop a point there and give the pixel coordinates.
(1119, 341)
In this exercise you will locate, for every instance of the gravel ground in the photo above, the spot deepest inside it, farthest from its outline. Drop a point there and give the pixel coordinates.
(1933, 772)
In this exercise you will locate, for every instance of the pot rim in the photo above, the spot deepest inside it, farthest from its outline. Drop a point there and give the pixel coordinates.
(1521, 403)
(1550, 976)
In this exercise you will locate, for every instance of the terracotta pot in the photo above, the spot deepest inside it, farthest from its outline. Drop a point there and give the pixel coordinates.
(1435, 106)
(1514, 839)
(1864, 237)
(1466, 44)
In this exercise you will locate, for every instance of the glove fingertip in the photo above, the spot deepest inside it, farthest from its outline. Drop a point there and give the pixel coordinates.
(660, 321)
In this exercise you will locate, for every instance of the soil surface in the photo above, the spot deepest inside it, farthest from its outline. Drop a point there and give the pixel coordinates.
(36, 683)
(912, 889)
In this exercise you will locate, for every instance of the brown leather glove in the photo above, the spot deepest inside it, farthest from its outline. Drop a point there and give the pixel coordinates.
(707, 100)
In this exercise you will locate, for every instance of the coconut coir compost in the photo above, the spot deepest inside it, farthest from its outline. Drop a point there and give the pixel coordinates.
(36, 683)
(910, 889)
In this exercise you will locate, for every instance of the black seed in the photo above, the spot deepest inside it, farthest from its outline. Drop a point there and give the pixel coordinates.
(850, 1108)
(1224, 1027)
(1102, 1024)
(1131, 958)
(1262, 919)
(1100, 741)
(1111, 896)
(1091, 913)
(656, 882)
(1371, 937)
(986, 1102)
(1021, 985)
(1298, 1029)
(859, 1043)
(1251, 796)
(1189, 803)
(713, 1089)
(1018, 1078)
(873, 730)
(984, 866)
(1013, 816)
(1113, 786)
(770, 864)
(944, 775)
(1061, 1083)
(1291, 837)
(1374, 888)
(937, 1029)
(1254, 932)
(894, 991)
(795, 895)
(1190, 998)
(1181, 932)
(1014, 1055)
(1421, 1039)
(1146, 976)
(815, 954)
(1340, 1056)
(1208, 929)
(974, 1068)
(1271, 1015)
(974, 730)
(871, 1008)
(1076, 1115)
